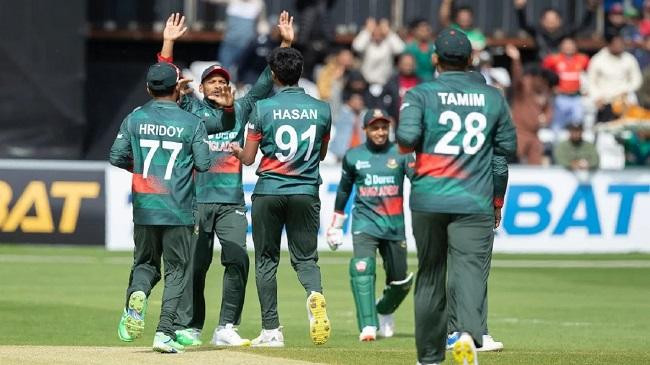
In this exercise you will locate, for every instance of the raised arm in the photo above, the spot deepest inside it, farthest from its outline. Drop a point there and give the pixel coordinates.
(409, 130)
(520, 5)
(587, 18)
(121, 154)
(174, 29)
(444, 13)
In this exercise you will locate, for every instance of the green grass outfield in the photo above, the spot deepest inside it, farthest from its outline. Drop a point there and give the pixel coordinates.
(574, 309)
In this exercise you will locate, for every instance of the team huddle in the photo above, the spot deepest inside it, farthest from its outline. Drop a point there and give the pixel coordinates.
(186, 156)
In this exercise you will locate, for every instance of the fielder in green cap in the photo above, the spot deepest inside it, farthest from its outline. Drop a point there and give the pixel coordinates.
(462, 132)
(162, 145)
(377, 169)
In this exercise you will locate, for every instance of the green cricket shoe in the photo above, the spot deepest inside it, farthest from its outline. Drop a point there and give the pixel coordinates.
(131, 324)
(189, 337)
(166, 345)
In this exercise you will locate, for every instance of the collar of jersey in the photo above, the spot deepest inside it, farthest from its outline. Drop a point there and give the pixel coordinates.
(291, 89)
(164, 103)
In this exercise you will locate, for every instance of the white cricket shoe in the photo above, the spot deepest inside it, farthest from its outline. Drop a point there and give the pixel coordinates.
(386, 325)
(269, 338)
(368, 333)
(227, 336)
(489, 344)
(464, 351)
(422, 363)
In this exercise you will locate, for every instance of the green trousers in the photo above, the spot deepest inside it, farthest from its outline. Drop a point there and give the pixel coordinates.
(228, 222)
(393, 254)
(173, 244)
(453, 256)
(300, 216)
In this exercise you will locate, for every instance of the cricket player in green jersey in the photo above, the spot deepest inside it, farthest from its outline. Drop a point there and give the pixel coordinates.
(292, 129)
(220, 197)
(377, 169)
(162, 145)
(462, 132)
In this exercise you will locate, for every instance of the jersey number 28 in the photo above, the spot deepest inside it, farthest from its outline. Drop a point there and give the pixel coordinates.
(473, 138)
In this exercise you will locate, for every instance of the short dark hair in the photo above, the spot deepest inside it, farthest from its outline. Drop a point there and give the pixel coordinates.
(286, 64)
(453, 65)
(466, 8)
(416, 23)
(162, 93)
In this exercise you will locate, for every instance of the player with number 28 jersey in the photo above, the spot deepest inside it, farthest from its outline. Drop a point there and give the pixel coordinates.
(462, 133)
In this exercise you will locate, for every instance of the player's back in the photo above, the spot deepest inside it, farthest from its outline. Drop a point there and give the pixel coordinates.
(461, 119)
(162, 137)
(291, 127)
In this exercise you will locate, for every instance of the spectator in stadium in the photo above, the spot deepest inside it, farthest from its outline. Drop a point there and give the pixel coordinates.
(463, 20)
(613, 74)
(644, 24)
(575, 153)
(531, 106)
(422, 48)
(494, 76)
(244, 20)
(636, 145)
(349, 124)
(551, 29)
(330, 79)
(253, 60)
(621, 20)
(642, 53)
(375, 96)
(568, 64)
(402, 81)
(315, 32)
(378, 45)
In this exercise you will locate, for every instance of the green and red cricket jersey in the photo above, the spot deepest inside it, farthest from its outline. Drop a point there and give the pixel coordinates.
(461, 131)
(378, 177)
(291, 126)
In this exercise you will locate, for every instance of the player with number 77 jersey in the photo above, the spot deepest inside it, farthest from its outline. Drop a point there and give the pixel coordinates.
(292, 130)
(162, 145)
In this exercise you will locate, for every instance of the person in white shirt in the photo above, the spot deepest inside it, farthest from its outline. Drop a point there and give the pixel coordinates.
(378, 45)
(612, 74)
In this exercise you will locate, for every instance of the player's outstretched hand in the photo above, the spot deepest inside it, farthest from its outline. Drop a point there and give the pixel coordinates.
(175, 27)
(285, 25)
(224, 97)
(183, 86)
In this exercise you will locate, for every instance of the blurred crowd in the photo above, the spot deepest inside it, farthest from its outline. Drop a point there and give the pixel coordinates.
(581, 110)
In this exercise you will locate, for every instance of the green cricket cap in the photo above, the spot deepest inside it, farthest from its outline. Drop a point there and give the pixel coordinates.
(162, 76)
(453, 46)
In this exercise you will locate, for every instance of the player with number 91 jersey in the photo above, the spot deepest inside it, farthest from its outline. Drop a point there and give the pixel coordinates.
(459, 123)
(290, 127)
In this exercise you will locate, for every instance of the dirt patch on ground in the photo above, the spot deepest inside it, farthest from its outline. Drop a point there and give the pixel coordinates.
(69, 355)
